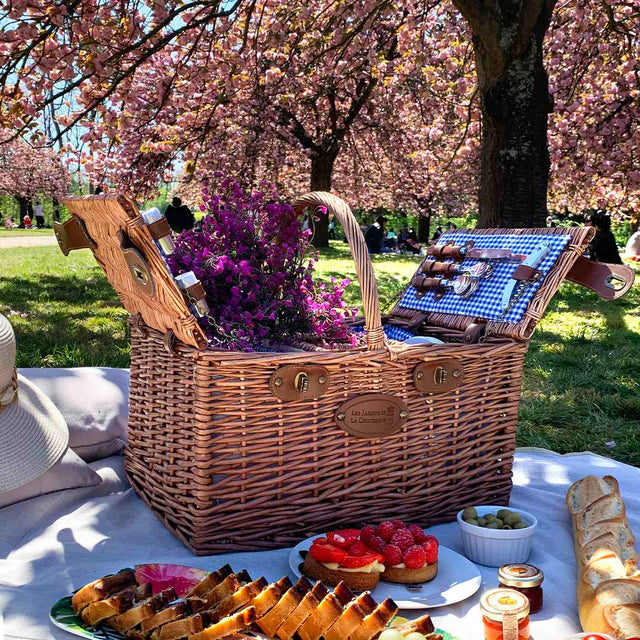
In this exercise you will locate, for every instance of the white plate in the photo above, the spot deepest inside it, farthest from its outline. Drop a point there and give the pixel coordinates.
(457, 579)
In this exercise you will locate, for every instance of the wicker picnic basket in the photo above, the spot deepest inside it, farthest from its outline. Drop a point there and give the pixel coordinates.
(232, 453)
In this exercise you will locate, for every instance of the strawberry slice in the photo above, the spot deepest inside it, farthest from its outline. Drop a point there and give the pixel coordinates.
(343, 538)
(327, 553)
(355, 562)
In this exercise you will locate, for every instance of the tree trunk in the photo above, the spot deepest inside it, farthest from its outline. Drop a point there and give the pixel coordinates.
(424, 222)
(56, 210)
(515, 102)
(321, 170)
(24, 209)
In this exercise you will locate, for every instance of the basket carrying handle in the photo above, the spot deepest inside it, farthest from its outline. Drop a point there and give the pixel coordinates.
(364, 269)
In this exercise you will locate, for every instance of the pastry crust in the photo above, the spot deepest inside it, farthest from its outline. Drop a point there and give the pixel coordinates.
(355, 580)
(410, 576)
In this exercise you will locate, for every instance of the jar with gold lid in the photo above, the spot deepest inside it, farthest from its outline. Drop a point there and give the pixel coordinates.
(505, 615)
(526, 579)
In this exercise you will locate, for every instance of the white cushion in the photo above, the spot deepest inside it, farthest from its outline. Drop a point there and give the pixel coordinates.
(68, 473)
(95, 403)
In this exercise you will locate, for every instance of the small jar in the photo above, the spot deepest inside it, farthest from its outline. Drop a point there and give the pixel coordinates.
(526, 579)
(160, 230)
(505, 615)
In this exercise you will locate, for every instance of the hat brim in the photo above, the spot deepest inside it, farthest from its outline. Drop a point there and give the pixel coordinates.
(33, 436)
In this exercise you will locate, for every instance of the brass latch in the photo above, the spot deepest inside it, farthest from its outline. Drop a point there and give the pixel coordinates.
(439, 376)
(299, 382)
(302, 382)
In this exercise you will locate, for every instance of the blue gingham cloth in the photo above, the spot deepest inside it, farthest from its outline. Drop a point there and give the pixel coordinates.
(393, 333)
(486, 302)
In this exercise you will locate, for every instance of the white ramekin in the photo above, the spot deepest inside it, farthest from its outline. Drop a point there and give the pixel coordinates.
(495, 547)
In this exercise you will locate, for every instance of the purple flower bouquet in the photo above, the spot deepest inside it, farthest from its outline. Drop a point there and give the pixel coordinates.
(251, 255)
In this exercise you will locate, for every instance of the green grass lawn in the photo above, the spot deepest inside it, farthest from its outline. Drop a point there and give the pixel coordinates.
(17, 233)
(582, 371)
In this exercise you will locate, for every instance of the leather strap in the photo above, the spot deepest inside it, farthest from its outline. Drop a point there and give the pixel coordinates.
(159, 228)
(195, 291)
(609, 281)
(448, 269)
(423, 283)
(72, 235)
(525, 272)
(474, 332)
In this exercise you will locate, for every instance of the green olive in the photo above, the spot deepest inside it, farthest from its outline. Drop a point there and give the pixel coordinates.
(503, 513)
(512, 518)
(520, 525)
(489, 517)
(469, 512)
(506, 527)
(494, 525)
(472, 521)
(482, 522)
(499, 522)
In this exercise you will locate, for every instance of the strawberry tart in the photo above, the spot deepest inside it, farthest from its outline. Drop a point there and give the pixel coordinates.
(410, 556)
(390, 551)
(341, 556)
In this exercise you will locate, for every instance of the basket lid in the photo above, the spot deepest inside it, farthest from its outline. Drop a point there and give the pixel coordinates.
(513, 314)
(125, 249)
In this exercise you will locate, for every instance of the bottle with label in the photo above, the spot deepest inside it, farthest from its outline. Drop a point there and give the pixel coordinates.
(505, 615)
(194, 292)
(160, 230)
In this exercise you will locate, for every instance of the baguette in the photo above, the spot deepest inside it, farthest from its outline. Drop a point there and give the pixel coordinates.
(376, 621)
(608, 580)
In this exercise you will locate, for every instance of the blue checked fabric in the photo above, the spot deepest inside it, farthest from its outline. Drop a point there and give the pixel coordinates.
(393, 333)
(486, 302)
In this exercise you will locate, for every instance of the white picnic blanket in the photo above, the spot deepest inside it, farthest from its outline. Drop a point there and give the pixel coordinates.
(54, 544)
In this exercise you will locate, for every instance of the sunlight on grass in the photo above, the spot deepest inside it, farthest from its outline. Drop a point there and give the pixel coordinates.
(581, 382)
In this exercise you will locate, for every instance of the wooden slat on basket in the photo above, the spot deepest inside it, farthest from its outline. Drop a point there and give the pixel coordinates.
(106, 216)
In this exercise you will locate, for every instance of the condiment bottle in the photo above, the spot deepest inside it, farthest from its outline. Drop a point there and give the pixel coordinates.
(505, 615)
(194, 291)
(160, 230)
(526, 579)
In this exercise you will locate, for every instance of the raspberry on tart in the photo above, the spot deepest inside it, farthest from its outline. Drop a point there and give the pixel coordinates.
(410, 556)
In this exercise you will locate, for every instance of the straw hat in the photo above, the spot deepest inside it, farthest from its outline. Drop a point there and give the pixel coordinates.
(33, 433)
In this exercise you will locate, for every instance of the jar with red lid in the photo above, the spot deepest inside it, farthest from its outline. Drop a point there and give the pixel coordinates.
(505, 615)
(526, 579)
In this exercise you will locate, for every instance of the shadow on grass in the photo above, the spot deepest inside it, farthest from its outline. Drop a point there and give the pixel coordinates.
(66, 321)
(581, 386)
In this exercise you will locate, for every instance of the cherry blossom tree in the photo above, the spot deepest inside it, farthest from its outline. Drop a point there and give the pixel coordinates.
(28, 172)
(385, 102)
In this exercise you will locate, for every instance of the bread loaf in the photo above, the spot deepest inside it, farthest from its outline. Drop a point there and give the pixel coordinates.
(608, 585)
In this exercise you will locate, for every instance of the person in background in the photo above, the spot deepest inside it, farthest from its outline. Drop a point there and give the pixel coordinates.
(27, 222)
(551, 222)
(411, 243)
(389, 242)
(98, 190)
(632, 248)
(8, 223)
(332, 228)
(437, 233)
(38, 211)
(603, 247)
(179, 216)
(375, 234)
(451, 226)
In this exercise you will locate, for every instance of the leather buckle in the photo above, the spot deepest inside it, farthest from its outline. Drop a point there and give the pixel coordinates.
(299, 382)
(438, 376)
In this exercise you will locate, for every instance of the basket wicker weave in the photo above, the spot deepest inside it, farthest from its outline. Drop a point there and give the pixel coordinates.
(228, 464)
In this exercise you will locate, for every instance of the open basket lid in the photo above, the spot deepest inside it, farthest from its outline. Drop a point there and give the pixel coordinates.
(112, 227)
(516, 313)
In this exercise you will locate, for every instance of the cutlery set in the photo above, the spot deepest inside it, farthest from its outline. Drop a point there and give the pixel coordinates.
(464, 280)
